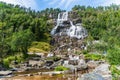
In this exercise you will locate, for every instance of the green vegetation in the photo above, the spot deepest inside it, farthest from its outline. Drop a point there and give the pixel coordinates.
(103, 25)
(115, 72)
(61, 68)
(23, 30)
(39, 47)
(8, 60)
(113, 56)
(95, 57)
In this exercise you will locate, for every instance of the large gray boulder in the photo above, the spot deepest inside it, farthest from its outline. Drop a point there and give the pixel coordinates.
(91, 76)
(104, 71)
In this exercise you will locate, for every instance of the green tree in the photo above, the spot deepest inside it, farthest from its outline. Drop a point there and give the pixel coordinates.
(21, 41)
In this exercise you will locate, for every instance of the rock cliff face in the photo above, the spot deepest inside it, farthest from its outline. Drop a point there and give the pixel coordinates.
(67, 36)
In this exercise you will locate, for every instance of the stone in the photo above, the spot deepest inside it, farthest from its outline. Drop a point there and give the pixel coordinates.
(104, 71)
(50, 55)
(73, 62)
(92, 64)
(5, 73)
(82, 67)
(49, 63)
(81, 62)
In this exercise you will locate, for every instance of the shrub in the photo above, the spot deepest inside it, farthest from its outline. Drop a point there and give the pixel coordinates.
(61, 68)
(113, 56)
(7, 61)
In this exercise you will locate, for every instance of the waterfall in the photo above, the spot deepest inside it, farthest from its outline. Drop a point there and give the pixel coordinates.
(76, 31)
(61, 18)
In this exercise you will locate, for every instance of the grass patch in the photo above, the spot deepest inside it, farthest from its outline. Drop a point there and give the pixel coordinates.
(94, 57)
(61, 68)
(39, 47)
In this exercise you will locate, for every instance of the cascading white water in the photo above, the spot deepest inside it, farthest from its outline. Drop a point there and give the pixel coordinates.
(77, 31)
(61, 18)
(74, 31)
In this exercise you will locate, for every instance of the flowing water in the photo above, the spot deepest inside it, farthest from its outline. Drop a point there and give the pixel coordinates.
(35, 76)
(44, 77)
(76, 31)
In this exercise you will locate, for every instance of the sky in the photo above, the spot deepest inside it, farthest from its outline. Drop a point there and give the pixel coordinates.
(63, 4)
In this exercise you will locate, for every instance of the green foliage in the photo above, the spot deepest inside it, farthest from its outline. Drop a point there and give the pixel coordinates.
(20, 26)
(115, 72)
(98, 46)
(61, 68)
(21, 41)
(7, 61)
(113, 56)
(91, 56)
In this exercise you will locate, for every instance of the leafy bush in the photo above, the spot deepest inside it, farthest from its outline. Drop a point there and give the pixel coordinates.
(113, 56)
(61, 68)
(94, 56)
(7, 61)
